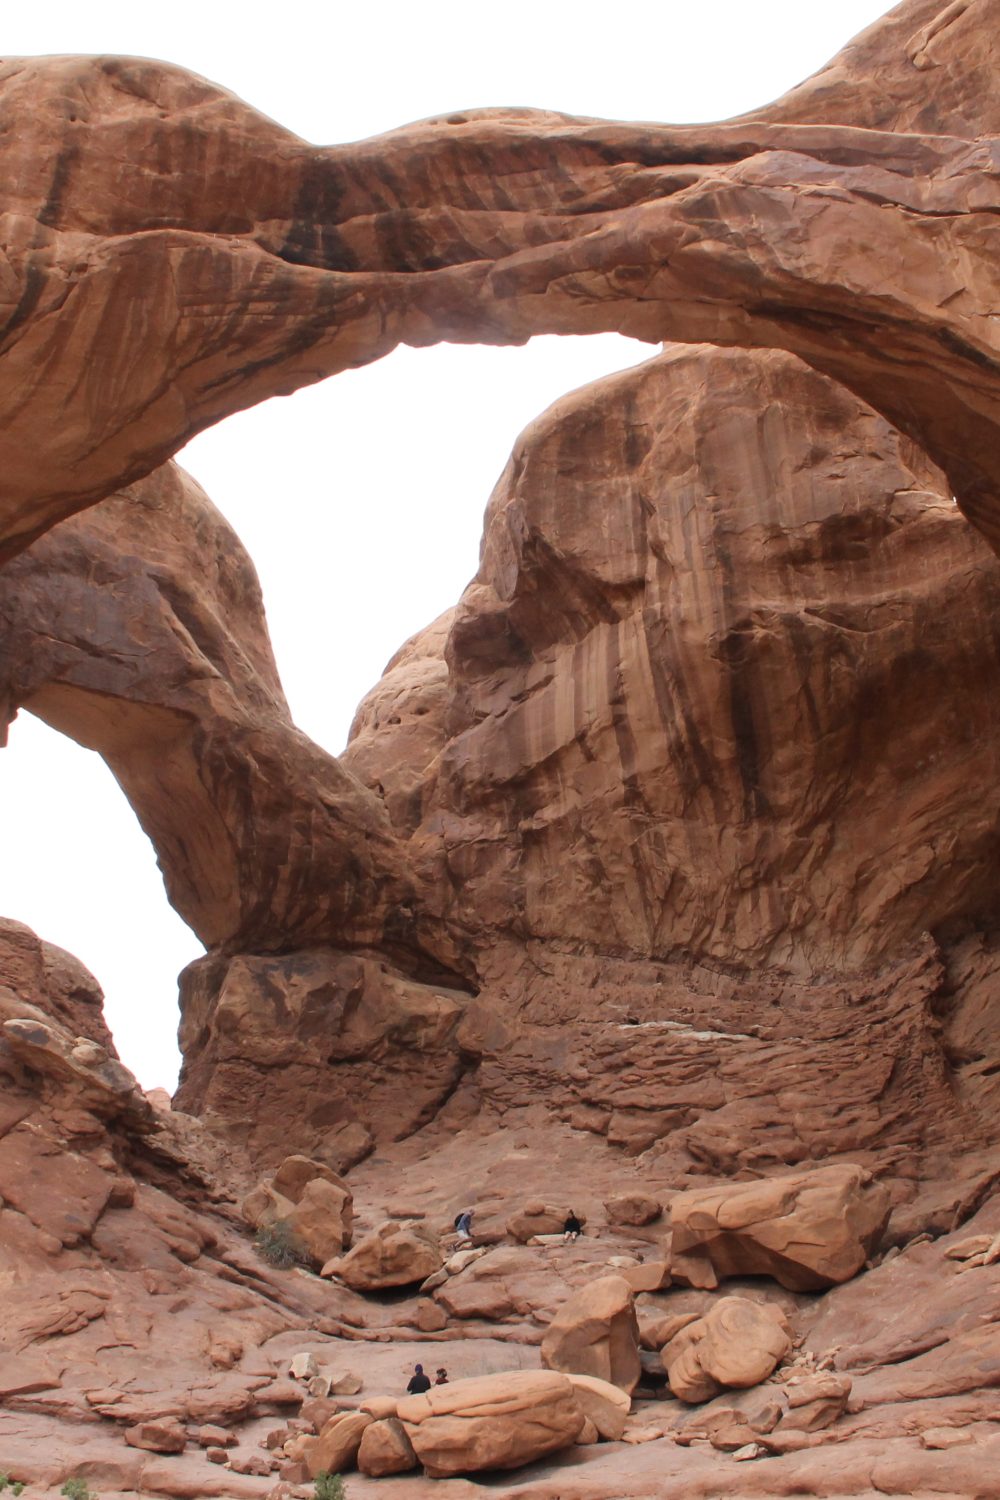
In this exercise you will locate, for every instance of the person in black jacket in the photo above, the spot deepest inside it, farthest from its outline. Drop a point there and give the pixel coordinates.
(419, 1382)
(572, 1227)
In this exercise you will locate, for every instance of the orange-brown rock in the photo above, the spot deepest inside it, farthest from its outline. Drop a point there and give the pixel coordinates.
(663, 860)
(493, 1422)
(633, 1208)
(337, 1446)
(604, 1404)
(738, 1343)
(529, 222)
(386, 1449)
(595, 1332)
(314, 1203)
(394, 1255)
(538, 1218)
(809, 1230)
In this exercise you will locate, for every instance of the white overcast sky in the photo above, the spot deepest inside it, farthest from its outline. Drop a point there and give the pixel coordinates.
(361, 499)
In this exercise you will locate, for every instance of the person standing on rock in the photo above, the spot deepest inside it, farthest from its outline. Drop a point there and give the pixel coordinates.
(463, 1225)
(572, 1227)
(419, 1382)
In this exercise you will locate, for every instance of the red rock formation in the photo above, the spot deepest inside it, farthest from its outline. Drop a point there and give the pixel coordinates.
(173, 256)
(686, 701)
(670, 839)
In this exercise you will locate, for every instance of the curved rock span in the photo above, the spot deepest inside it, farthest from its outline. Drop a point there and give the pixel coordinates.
(657, 884)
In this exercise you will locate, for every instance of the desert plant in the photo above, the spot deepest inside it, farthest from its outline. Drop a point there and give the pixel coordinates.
(4, 1481)
(16, 1487)
(76, 1489)
(329, 1486)
(280, 1246)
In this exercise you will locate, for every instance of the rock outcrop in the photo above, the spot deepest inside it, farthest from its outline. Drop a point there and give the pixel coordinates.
(395, 1255)
(496, 1422)
(595, 1333)
(663, 859)
(738, 1343)
(277, 264)
(809, 1230)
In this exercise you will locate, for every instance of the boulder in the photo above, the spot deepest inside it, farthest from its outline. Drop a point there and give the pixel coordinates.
(296, 1172)
(386, 1449)
(736, 1344)
(337, 1446)
(263, 1206)
(537, 1218)
(595, 1332)
(164, 1436)
(649, 1276)
(492, 1422)
(317, 1411)
(323, 1219)
(809, 1230)
(633, 1209)
(605, 1405)
(395, 1255)
(815, 1401)
(657, 1335)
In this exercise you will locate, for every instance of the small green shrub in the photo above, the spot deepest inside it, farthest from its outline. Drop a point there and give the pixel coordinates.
(280, 1246)
(329, 1486)
(16, 1488)
(76, 1489)
(4, 1481)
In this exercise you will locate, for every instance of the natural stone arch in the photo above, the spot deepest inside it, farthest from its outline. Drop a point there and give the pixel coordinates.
(173, 256)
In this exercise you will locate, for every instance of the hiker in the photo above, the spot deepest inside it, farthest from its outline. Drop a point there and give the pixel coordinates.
(442, 1377)
(572, 1227)
(419, 1382)
(463, 1225)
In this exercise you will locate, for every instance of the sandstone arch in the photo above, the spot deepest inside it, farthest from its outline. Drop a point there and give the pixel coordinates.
(172, 256)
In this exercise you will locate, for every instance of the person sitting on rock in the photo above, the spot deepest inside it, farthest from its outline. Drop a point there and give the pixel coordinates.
(442, 1377)
(463, 1225)
(419, 1382)
(572, 1227)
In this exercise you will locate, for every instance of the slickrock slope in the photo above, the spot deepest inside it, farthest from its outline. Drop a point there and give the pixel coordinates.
(665, 861)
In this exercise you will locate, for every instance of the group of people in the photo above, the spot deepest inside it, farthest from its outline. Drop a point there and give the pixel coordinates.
(420, 1381)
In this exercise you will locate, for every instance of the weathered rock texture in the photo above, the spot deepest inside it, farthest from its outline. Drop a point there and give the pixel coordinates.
(243, 262)
(669, 855)
(809, 1230)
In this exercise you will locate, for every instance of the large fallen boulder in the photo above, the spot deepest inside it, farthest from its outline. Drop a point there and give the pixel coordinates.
(492, 1421)
(604, 1404)
(539, 1218)
(394, 1255)
(314, 1203)
(595, 1332)
(737, 1344)
(809, 1230)
(633, 1209)
(337, 1446)
(385, 1449)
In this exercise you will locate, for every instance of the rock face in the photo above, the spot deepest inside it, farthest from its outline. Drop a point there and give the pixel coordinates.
(496, 1422)
(666, 858)
(596, 1333)
(809, 1230)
